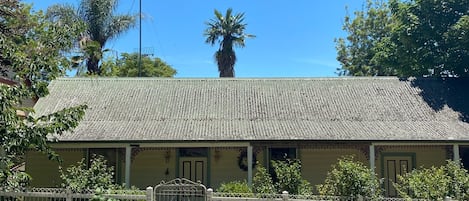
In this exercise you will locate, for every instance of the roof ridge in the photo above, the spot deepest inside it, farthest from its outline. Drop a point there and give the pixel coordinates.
(220, 79)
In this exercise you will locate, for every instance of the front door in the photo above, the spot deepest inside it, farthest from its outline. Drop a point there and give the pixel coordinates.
(193, 168)
(394, 166)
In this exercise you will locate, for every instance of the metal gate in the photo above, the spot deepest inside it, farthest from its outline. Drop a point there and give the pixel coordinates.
(180, 189)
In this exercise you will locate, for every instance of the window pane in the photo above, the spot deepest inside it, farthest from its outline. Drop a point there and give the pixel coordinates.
(193, 152)
(282, 153)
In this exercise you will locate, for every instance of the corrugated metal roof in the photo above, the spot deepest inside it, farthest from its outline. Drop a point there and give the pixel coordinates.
(367, 108)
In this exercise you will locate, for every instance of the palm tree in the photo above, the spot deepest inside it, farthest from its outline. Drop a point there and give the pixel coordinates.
(227, 30)
(101, 25)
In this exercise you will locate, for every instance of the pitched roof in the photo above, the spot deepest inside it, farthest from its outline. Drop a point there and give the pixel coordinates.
(367, 108)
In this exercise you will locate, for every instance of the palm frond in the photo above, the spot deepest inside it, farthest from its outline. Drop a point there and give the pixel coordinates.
(98, 15)
(62, 13)
(119, 24)
(228, 31)
(218, 15)
(101, 24)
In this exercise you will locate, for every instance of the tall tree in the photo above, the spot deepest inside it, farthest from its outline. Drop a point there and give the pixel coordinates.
(411, 38)
(102, 25)
(30, 49)
(430, 37)
(127, 66)
(228, 31)
(359, 51)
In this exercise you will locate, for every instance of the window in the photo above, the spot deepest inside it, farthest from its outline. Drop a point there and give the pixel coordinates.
(282, 153)
(193, 152)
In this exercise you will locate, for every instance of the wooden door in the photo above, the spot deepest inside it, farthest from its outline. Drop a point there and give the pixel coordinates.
(193, 168)
(394, 166)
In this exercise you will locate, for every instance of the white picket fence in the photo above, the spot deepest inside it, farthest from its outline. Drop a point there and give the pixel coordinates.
(59, 194)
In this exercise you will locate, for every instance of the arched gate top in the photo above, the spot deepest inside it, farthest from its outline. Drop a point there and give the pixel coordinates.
(180, 189)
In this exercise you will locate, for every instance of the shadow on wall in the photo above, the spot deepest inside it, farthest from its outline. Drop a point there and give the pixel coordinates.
(438, 92)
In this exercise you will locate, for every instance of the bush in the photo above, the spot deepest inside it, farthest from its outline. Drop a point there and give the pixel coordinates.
(16, 180)
(235, 187)
(435, 183)
(350, 178)
(262, 181)
(459, 186)
(79, 178)
(288, 177)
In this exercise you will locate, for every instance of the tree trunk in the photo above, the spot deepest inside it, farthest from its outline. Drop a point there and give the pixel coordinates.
(225, 61)
(92, 65)
(227, 72)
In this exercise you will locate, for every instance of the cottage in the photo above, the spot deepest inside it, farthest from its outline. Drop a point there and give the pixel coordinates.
(214, 130)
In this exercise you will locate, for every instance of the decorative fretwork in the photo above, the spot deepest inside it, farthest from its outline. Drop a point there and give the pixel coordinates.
(225, 148)
(359, 146)
(70, 149)
(378, 151)
(411, 147)
(136, 150)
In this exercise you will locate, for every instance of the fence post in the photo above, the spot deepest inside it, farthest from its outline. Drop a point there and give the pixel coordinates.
(285, 195)
(209, 194)
(149, 194)
(68, 196)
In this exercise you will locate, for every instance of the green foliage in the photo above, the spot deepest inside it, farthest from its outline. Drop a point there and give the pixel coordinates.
(90, 51)
(359, 51)
(459, 186)
(80, 178)
(102, 24)
(125, 191)
(235, 187)
(435, 183)
(262, 181)
(227, 30)
(430, 37)
(288, 178)
(127, 66)
(101, 194)
(426, 183)
(350, 178)
(31, 47)
(30, 50)
(407, 38)
(16, 181)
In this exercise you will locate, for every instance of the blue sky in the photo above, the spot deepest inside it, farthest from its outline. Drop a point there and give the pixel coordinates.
(293, 38)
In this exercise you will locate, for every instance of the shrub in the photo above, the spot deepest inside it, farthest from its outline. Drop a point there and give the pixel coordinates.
(305, 188)
(426, 183)
(262, 181)
(16, 180)
(459, 186)
(235, 187)
(435, 183)
(288, 177)
(350, 178)
(79, 178)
